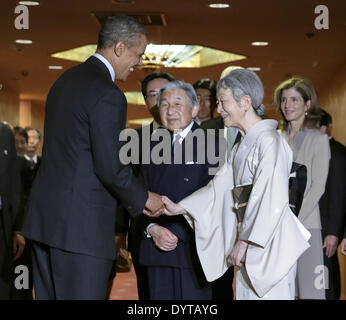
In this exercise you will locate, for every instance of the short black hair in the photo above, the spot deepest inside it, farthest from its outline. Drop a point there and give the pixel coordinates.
(206, 83)
(120, 28)
(22, 132)
(31, 128)
(152, 76)
(326, 118)
(210, 85)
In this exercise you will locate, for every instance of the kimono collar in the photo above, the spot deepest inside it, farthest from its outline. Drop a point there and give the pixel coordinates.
(252, 135)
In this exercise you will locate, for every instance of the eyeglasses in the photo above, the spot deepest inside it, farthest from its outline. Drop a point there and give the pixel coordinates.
(152, 95)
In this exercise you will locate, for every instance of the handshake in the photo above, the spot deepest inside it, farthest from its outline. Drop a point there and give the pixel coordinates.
(157, 205)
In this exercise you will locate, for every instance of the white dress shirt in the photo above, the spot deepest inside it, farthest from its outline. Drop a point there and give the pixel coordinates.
(107, 64)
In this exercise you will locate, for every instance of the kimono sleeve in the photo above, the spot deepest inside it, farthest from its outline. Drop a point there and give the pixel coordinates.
(210, 214)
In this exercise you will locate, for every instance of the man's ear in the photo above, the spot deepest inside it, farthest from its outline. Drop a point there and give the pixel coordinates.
(119, 48)
(195, 110)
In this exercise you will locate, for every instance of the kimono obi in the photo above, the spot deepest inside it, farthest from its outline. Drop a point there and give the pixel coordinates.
(241, 197)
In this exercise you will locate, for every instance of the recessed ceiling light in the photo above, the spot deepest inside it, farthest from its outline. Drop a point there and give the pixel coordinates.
(55, 67)
(219, 5)
(254, 68)
(29, 3)
(260, 43)
(23, 41)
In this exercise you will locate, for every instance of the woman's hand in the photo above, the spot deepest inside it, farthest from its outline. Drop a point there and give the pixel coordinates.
(171, 208)
(163, 238)
(237, 255)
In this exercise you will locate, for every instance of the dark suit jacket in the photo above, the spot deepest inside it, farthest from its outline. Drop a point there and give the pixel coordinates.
(27, 175)
(10, 186)
(74, 197)
(125, 223)
(176, 181)
(10, 189)
(333, 202)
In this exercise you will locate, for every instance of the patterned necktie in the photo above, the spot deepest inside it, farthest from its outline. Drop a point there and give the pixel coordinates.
(176, 143)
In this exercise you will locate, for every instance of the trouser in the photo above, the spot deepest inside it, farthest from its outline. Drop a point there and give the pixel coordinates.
(63, 275)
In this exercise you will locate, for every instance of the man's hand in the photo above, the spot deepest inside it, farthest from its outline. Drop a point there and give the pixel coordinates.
(18, 245)
(154, 206)
(171, 208)
(163, 238)
(343, 246)
(330, 244)
(120, 243)
(237, 255)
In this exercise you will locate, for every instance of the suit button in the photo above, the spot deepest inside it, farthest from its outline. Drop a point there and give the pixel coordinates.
(186, 179)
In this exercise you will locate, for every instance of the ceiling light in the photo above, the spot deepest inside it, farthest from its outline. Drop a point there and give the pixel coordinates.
(218, 5)
(55, 67)
(254, 68)
(140, 122)
(29, 3)
(23, 41)
(260, 43)
(164, 55)
(134, 97)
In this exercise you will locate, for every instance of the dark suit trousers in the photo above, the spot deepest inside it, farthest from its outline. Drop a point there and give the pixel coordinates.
(333, 291)
(169, 283)
(63, 275)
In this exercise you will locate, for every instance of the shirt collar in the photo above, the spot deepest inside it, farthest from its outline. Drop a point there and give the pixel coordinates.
(183, 133)
(107, 64)
(34, 158)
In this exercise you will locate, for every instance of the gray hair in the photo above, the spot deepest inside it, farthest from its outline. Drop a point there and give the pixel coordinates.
(120, 28)
(245, 82)
(177, 84)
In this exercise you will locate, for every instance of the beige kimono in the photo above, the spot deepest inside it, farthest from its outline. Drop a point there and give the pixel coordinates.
(277, 238)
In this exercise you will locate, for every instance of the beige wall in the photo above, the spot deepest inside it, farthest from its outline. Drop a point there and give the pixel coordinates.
(9, 106)
(332, 98)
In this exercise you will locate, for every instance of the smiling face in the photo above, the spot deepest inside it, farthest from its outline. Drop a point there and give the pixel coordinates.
(293, 105)
(128, 57)
(228, 108)
(175, 110)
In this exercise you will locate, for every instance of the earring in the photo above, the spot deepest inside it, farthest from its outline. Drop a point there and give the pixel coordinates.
(306, 113)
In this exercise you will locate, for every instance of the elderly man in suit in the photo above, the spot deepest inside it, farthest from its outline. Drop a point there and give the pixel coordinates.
(71, 214)
(168, 247)
(10, 189)
(332, 207)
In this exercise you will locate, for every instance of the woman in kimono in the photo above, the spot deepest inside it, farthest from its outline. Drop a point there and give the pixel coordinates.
(297, 103)
(242, 217)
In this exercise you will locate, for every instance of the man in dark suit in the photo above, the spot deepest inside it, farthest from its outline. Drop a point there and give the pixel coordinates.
(332, 208)
(168, 251)
(71, 214)
(151, 86)
(29, 164)
(9, 205)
